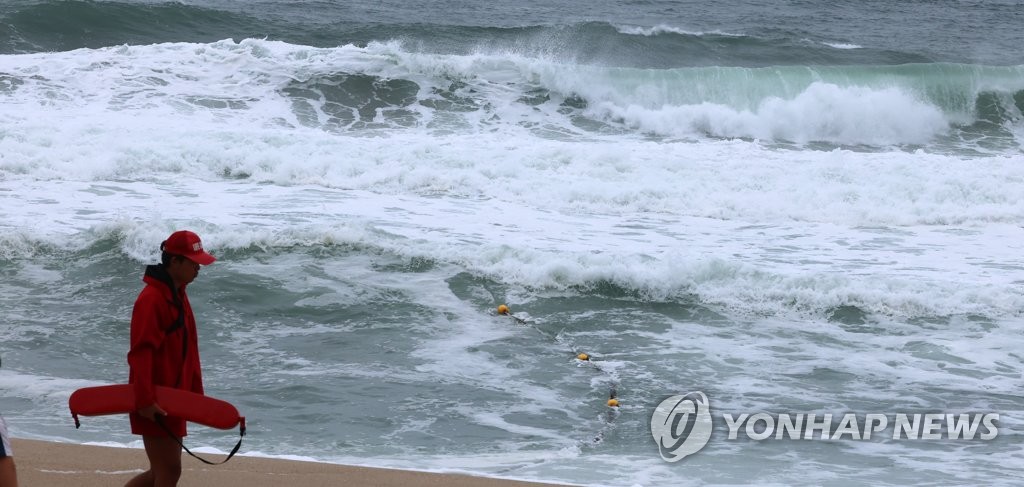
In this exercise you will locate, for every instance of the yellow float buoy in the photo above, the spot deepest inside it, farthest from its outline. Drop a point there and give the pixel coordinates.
(583, 356)
(502, 309)
(613, 403)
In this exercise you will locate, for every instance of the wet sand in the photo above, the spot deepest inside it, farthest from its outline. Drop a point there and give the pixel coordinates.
(47, 464)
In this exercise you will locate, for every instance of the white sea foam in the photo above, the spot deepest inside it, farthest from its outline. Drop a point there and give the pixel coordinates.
(767, 268)
(843, 45)
(203, 86)
(635, 210)
(740, 181)
(16, 384)
(667, 29)
(824, 111)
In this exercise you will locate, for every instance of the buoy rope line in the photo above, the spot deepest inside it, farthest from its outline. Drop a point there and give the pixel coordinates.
(584, 359)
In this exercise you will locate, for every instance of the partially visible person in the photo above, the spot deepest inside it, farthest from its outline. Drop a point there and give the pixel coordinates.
(8, 474)
(164, 351)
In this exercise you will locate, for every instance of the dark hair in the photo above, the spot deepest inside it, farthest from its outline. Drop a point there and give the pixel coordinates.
(166, 258)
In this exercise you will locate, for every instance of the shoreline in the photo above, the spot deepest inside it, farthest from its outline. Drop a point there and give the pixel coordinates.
(52, 464)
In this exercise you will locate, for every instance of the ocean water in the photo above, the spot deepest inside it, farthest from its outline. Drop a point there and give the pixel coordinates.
(793, 207)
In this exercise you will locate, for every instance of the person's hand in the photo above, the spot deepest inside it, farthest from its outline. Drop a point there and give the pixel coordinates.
(150, 412)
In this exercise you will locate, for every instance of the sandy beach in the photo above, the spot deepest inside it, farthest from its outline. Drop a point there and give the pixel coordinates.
(47, 464)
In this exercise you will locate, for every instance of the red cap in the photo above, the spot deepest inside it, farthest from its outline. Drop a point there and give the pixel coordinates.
(187, 244)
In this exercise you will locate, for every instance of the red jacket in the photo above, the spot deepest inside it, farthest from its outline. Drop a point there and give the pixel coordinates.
(158, 356)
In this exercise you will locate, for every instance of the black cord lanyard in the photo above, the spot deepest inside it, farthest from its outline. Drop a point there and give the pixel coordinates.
(160, 421)
(180, 323)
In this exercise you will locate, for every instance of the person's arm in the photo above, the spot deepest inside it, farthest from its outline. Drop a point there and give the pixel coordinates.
(146, 337)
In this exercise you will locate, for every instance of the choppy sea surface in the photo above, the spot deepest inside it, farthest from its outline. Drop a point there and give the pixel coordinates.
(802, 207)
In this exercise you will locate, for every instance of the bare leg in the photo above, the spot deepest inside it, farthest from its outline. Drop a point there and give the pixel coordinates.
(8, 474)
(164, 463)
